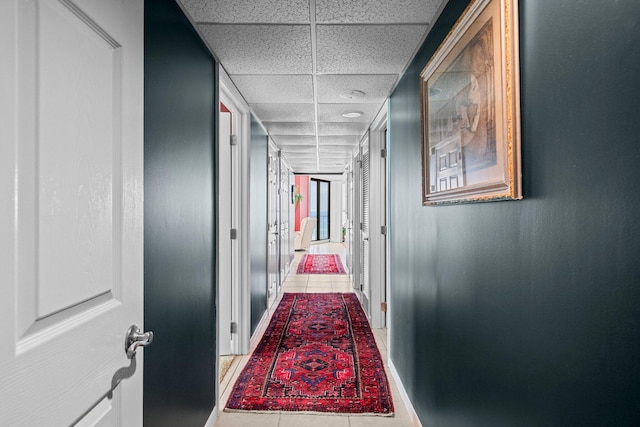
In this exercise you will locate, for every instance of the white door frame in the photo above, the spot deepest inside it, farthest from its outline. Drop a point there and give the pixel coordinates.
(226, 245)
(356, 204)
(240, 268)
(377, 209)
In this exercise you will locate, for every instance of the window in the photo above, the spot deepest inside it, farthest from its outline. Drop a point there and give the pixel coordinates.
(320, 207)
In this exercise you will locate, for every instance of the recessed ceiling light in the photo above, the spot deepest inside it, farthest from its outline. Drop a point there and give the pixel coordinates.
(351, 114)
(352, 94)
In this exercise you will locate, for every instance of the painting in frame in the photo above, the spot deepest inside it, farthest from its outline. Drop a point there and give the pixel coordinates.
(470, 109)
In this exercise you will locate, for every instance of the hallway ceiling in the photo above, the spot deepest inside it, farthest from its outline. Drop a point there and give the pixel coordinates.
(302, 64)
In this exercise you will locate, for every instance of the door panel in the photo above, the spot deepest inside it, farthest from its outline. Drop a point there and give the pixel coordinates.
(225, 249)
(364, 253)
(71, 223)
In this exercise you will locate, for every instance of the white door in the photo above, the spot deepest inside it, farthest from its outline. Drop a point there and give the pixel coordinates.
(365, 288)
(225, 294)
(349, 227)
(273, 248)
(71, 211)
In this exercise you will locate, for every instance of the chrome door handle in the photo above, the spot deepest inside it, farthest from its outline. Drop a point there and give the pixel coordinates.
(136, 338)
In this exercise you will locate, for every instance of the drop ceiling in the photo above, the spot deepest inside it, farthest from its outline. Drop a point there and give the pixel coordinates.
(302, 64)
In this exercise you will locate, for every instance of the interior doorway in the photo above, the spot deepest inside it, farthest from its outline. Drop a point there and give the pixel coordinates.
(320, 208)
(233, 220)
(377, 206)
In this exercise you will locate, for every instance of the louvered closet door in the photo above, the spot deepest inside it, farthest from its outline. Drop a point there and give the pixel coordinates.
(364, 253)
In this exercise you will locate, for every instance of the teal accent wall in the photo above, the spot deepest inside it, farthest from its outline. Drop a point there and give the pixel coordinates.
(258, 238)
(527, 313)
(179, 212)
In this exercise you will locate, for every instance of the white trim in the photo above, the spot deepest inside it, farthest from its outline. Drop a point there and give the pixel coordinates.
(377, 245)
(356, 213)
(403, 393)
(213, 417)
(231, 97)
(262, 324)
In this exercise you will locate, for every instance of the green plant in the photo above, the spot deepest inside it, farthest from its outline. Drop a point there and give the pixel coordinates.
(297, 197)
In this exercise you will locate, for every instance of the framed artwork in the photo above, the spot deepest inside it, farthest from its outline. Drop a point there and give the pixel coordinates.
(470, 109)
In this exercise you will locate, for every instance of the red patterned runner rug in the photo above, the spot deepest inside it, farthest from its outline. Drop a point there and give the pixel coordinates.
(318, 355)
(320, 264)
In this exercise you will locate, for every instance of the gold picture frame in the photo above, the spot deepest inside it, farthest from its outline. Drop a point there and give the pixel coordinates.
(470, 109)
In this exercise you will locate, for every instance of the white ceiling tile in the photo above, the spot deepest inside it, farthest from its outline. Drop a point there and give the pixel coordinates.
(338, 150)
(293, 158)
(298, 149)
(376, 11)
(305, 166)
(339, 140)
(290, 128)
(334, 156)
(250, 11)
(333, 112)
(334, 161)
(284, 112)
(376, 87)
(344, 128)
(301, 156)
(260, 49)
(295, 140)
(274, 88)
(366, 49)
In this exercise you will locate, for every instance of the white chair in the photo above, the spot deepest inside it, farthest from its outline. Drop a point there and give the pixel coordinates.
(303, 237)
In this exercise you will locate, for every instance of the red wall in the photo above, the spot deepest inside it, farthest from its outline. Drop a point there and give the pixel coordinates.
(302, 208)
(224, 109)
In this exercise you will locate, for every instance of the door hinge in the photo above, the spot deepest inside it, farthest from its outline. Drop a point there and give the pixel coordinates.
(233, 234)
(383, 230)
(383, 153)
(233, 140)
(234, 328)
(383, 307)
(361, 226)
(361, 287)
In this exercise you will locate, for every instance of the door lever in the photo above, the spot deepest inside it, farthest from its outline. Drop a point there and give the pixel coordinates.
(136, 338)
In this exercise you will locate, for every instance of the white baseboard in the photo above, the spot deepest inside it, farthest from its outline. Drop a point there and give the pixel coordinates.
(257, 334)
(212, 418)
(403, 393)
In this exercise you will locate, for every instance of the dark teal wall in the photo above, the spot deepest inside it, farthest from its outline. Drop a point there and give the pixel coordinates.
(179, 367)
(258, 181)
(528, 313)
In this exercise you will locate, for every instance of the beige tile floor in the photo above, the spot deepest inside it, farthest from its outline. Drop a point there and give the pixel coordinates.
(311, 283)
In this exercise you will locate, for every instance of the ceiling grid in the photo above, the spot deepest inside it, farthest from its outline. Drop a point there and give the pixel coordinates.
(302, 64)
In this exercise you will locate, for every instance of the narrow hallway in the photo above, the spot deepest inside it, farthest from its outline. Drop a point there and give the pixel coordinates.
(310, 283)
